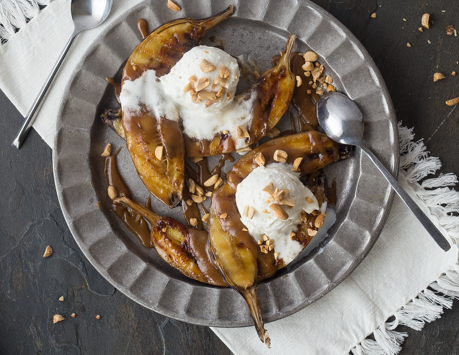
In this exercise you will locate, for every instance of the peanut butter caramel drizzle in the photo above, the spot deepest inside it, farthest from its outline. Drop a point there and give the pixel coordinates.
(301, 100)
(190, 172)
(199, 245)
(142, 26)
(116, 87)
(331, 193)
(320, 152)
(191, 211)
(203, 172)
(132, 220)
(293, 129)
(221, 163)
(223, 200)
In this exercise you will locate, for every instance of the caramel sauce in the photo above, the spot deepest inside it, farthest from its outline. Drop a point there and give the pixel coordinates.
(220, 43)
(223, 200)
(304, 103)
(267, 265)
(142, 26)
(131, 219)
(203, 173)
(199, 245)
(191, 211)
(190, 172)
(301, 100)
(116, 87)
(331, 193)
(197, 240)
(217, 170)
(292, 130)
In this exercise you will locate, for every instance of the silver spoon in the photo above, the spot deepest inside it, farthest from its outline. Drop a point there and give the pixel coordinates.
(86, 14)
(341, 120)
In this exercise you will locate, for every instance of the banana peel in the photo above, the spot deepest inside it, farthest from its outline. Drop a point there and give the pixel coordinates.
(162, 174)
(144, 133)
(235, 250)
(178, 245)
(236, 254)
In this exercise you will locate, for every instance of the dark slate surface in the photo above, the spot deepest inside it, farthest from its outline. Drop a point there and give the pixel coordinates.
(30, 217)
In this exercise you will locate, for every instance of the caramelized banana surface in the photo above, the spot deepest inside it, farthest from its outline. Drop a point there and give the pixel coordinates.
(181, 247)
(272, 91)
(235, 250)
(155, 143)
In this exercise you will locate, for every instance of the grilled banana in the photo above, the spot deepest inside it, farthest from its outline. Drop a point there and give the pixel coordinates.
(236, 252)
(155, 144)
(271, 95)
(181, 247)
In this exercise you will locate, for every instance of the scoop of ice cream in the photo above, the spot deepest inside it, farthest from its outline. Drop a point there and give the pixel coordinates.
(251, 192)
(199, 90)
(203, 66)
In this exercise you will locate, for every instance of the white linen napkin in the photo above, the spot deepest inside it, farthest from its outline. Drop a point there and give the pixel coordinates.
(392, 281)
(406, 277)
(29, 55)
(394, 273)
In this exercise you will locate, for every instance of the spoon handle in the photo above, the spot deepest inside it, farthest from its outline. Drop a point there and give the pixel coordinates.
(29, 120)
(425, 221)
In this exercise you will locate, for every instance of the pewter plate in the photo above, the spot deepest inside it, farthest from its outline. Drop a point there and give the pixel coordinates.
(257, 30)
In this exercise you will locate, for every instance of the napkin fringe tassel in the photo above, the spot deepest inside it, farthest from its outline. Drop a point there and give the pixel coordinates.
(442, 202)
(15, 14)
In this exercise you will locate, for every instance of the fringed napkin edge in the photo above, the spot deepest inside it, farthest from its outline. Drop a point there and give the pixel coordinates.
(442, 201)
(15, 14)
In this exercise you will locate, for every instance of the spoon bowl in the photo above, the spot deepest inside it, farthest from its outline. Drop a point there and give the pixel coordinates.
(86, 14)
(341, 120)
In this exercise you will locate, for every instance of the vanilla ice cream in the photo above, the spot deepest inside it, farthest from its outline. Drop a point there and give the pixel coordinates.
(264, 221)
(176, 96)
(191, 64)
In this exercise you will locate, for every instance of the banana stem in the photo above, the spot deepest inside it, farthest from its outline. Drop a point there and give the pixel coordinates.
(151, 217)
(285, 59)
(210, 22)
(250, 296)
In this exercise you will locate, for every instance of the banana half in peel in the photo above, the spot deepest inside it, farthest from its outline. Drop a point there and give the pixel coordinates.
(239, 257)
(235, 253)
(155, 135)
(155, 143)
